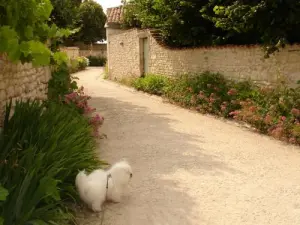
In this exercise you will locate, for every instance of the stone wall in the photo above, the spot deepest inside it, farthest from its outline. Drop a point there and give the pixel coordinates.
(236, 62)
(95, 50)
(22, 81)
(123, 53)
(85, 53)
(72, 52)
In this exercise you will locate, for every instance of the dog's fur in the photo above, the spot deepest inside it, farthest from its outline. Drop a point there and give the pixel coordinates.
(93, 188)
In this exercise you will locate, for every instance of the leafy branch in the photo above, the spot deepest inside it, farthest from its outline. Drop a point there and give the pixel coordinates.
(27, 35)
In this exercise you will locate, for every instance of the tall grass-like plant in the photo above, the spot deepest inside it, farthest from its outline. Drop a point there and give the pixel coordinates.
(42, 147)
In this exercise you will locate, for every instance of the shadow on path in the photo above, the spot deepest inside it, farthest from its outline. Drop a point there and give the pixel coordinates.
(168, 163)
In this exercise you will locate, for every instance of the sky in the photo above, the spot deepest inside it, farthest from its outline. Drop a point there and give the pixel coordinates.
(108, 3)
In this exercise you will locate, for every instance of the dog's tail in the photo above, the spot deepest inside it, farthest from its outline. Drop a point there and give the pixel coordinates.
(80, 182)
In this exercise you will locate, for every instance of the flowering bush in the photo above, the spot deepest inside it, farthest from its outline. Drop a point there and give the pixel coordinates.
(79, 100)
(271, 110)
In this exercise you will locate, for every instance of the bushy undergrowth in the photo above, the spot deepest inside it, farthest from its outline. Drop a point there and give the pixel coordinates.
(153, 84)
(42, 148)
(271, 110)
(78, 64)
(97, 60)
(61, 82)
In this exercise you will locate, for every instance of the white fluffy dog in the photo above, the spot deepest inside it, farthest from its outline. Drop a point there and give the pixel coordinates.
(101, 185)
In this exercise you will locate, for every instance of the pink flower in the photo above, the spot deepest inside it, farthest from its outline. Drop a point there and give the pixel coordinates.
(190, 89)
(277, 132)
(201, 95)
(292, 140)
(224, 103)
(295, 112)
(252, 108)
(234, 113)
(71, 95)
(268, 119)
(283, 118)
(232, 91)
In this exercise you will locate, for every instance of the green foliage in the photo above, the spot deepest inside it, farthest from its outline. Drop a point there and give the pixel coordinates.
(153, 84)
(262, 19)
(274, 111)
(65, 12)
(91, 19)
(188, 23)
(3, 196)
(24, 31)
(178, 22)
(61, 83)
(78, 64)
(97, 60)
(40, 157)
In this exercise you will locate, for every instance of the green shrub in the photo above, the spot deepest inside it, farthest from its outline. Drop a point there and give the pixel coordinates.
(78, 64)
(153, 84)
(97, 60)
(42, 149)
(61, 83)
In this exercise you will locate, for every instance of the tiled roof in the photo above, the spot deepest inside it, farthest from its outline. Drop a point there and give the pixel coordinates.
(114, 15)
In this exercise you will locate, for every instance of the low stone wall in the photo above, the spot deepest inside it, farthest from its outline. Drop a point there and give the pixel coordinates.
(72, 52)
(22, 81)
(85, 53)
(85, 50)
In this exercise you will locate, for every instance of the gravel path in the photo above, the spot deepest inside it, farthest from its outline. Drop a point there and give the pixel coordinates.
(191, 169)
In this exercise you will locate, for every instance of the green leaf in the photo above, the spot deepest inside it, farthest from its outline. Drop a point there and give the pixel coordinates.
(14, 50)
(8, 37)
(3, 193)
(28, 32)
(40, 53)
(60, 57)
(44, 9)
(25, 48)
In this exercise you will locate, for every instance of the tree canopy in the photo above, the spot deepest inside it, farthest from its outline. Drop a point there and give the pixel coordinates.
(64, 13)
(91, 19)
(87, 15)
(183, 23)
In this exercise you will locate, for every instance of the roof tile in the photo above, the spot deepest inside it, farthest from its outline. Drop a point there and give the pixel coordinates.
(114, 15)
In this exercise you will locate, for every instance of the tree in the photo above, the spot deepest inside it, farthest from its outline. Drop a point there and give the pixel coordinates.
(65, 12)
(91, 19)
(179, 22)
(272, 22)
